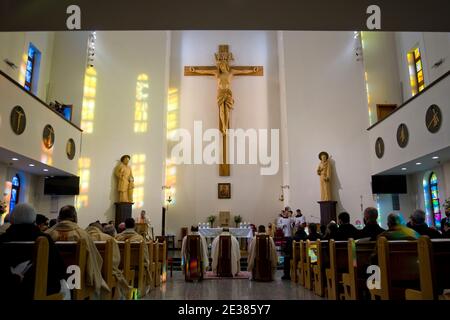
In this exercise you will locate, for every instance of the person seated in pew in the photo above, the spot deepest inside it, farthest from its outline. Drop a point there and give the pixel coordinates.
(313, 235)
(67, 229)
(95, 232)
(203, 249)
(110, 230)
(23, 228)
(331, 230)
(252, 252)
(418, 224)
(398, 231)
(371, 229)
(299, 235)
(235, 252)
(42, 222)
(346, 230)
(6, 224)
(121, 227)
(52, 222)
(130, 234)
(446, 220)
(446, 229)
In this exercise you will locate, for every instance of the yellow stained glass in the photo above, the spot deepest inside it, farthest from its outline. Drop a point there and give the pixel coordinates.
(420, 76)
(417, 53)
(419, 65)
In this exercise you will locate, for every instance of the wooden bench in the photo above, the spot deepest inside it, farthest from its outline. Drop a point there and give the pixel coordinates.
(308, 265)
(434, 257)
(338, 266)
(323, 262)
(38, 253)
(295, 261)
(157, 263)
(151, 263)
(162, 247)
(359, 256)
(137, 266)
(399, 268)
(124, 266)
(105, 248)
(75, 253)
(302, 262)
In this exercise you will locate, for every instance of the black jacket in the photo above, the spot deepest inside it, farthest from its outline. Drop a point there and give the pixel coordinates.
(424, 230)
(371, 231)
(346, 231)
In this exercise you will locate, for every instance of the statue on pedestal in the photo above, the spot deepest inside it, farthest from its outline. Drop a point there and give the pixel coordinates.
(125, 180)
(324, 171)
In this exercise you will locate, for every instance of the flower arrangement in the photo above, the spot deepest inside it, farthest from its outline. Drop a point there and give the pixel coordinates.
(211, 219)
(237, 220)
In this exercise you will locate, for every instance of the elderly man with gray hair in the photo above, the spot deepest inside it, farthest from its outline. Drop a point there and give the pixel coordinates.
(417, 223)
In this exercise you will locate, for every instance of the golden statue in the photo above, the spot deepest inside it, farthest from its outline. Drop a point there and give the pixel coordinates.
(324, 171)
(125, 180)
(224, 73)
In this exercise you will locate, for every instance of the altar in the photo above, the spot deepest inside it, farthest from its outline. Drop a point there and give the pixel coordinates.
(237, 232)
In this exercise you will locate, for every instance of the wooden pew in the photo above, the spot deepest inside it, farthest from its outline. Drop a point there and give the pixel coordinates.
(125, 256)
(308, 265)
(399, 268)
(152, 265)
(262, 270)
(38, 253)
(434, 257)
(105, 248)
(157, 278)
(74, 253)
(137, 266)
(338, 266)
(295, 261)
(162, 247)
(301, 262)
(359, 256)
(323, 262)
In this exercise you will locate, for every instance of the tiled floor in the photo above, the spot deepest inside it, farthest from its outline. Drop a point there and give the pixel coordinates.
(227, 289)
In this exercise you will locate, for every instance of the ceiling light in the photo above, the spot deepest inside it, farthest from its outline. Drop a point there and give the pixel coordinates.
(418, 163)
(15, 159)
(403, 169)
(435, 157)
(46, 170)
(31, 165)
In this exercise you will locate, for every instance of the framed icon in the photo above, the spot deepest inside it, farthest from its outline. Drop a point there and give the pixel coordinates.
(70, 149)
(48, 136)
(379, 148)
(224, 190)
(433, 118)
(18, 120)
(402, 135)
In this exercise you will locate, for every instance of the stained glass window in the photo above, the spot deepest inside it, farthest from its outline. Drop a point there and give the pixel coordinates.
(30, 68)
(435, 203)
(14, 193)
(416, 71)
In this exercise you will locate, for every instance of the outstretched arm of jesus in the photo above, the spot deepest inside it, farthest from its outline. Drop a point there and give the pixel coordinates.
(245, 71)
(203, 71)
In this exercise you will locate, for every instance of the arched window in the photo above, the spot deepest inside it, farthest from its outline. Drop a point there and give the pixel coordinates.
(434, 197)
(15, 191)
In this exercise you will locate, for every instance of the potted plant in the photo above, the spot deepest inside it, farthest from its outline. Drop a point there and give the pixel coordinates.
(237, 220)
(211, 220)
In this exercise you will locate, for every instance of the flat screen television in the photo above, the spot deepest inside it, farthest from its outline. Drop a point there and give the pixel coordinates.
(389, 184)
(62, 185)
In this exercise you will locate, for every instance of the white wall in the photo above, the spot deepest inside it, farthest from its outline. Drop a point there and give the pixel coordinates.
(381, 65)
(257, 105)
(14, 47)
(120, 58)
(326, 110)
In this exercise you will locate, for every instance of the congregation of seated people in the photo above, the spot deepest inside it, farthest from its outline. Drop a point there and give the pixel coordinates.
(25, 225)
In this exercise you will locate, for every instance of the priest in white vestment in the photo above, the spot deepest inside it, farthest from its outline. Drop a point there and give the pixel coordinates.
(286, 223)
(252, 252)
(235, 252)
(203, 248)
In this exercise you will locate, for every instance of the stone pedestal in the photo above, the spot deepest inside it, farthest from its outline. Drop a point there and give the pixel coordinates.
(123, 211)
(327, 211)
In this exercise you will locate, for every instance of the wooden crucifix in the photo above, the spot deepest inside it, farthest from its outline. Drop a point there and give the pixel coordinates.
(224, 73)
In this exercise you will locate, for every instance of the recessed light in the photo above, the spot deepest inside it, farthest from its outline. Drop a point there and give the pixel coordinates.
(435, 157)
(403, 169)
(418, 163)
(31, 165)
(46, 170)
(15, 159)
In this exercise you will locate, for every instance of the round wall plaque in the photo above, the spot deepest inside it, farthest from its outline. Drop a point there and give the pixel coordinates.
(379, 148)
(48, 136)
(70, 149)
(433, 118)
(18, 120)
(402, 135)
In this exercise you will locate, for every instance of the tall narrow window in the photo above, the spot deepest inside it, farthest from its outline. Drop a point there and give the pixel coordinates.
(435, 203)
(31, 67)
(15, 191)
(416, 71)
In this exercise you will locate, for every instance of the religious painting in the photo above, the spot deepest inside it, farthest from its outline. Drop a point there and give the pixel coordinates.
(379, 148)
(433, 118)
(70, 149)
(402, 135)
(224, 190)
(48, 136)
(18, 120)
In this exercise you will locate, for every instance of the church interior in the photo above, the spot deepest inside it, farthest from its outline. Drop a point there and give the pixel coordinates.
(137, 134)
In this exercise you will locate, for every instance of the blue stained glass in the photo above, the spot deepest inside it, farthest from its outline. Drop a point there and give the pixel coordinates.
(15, 181)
